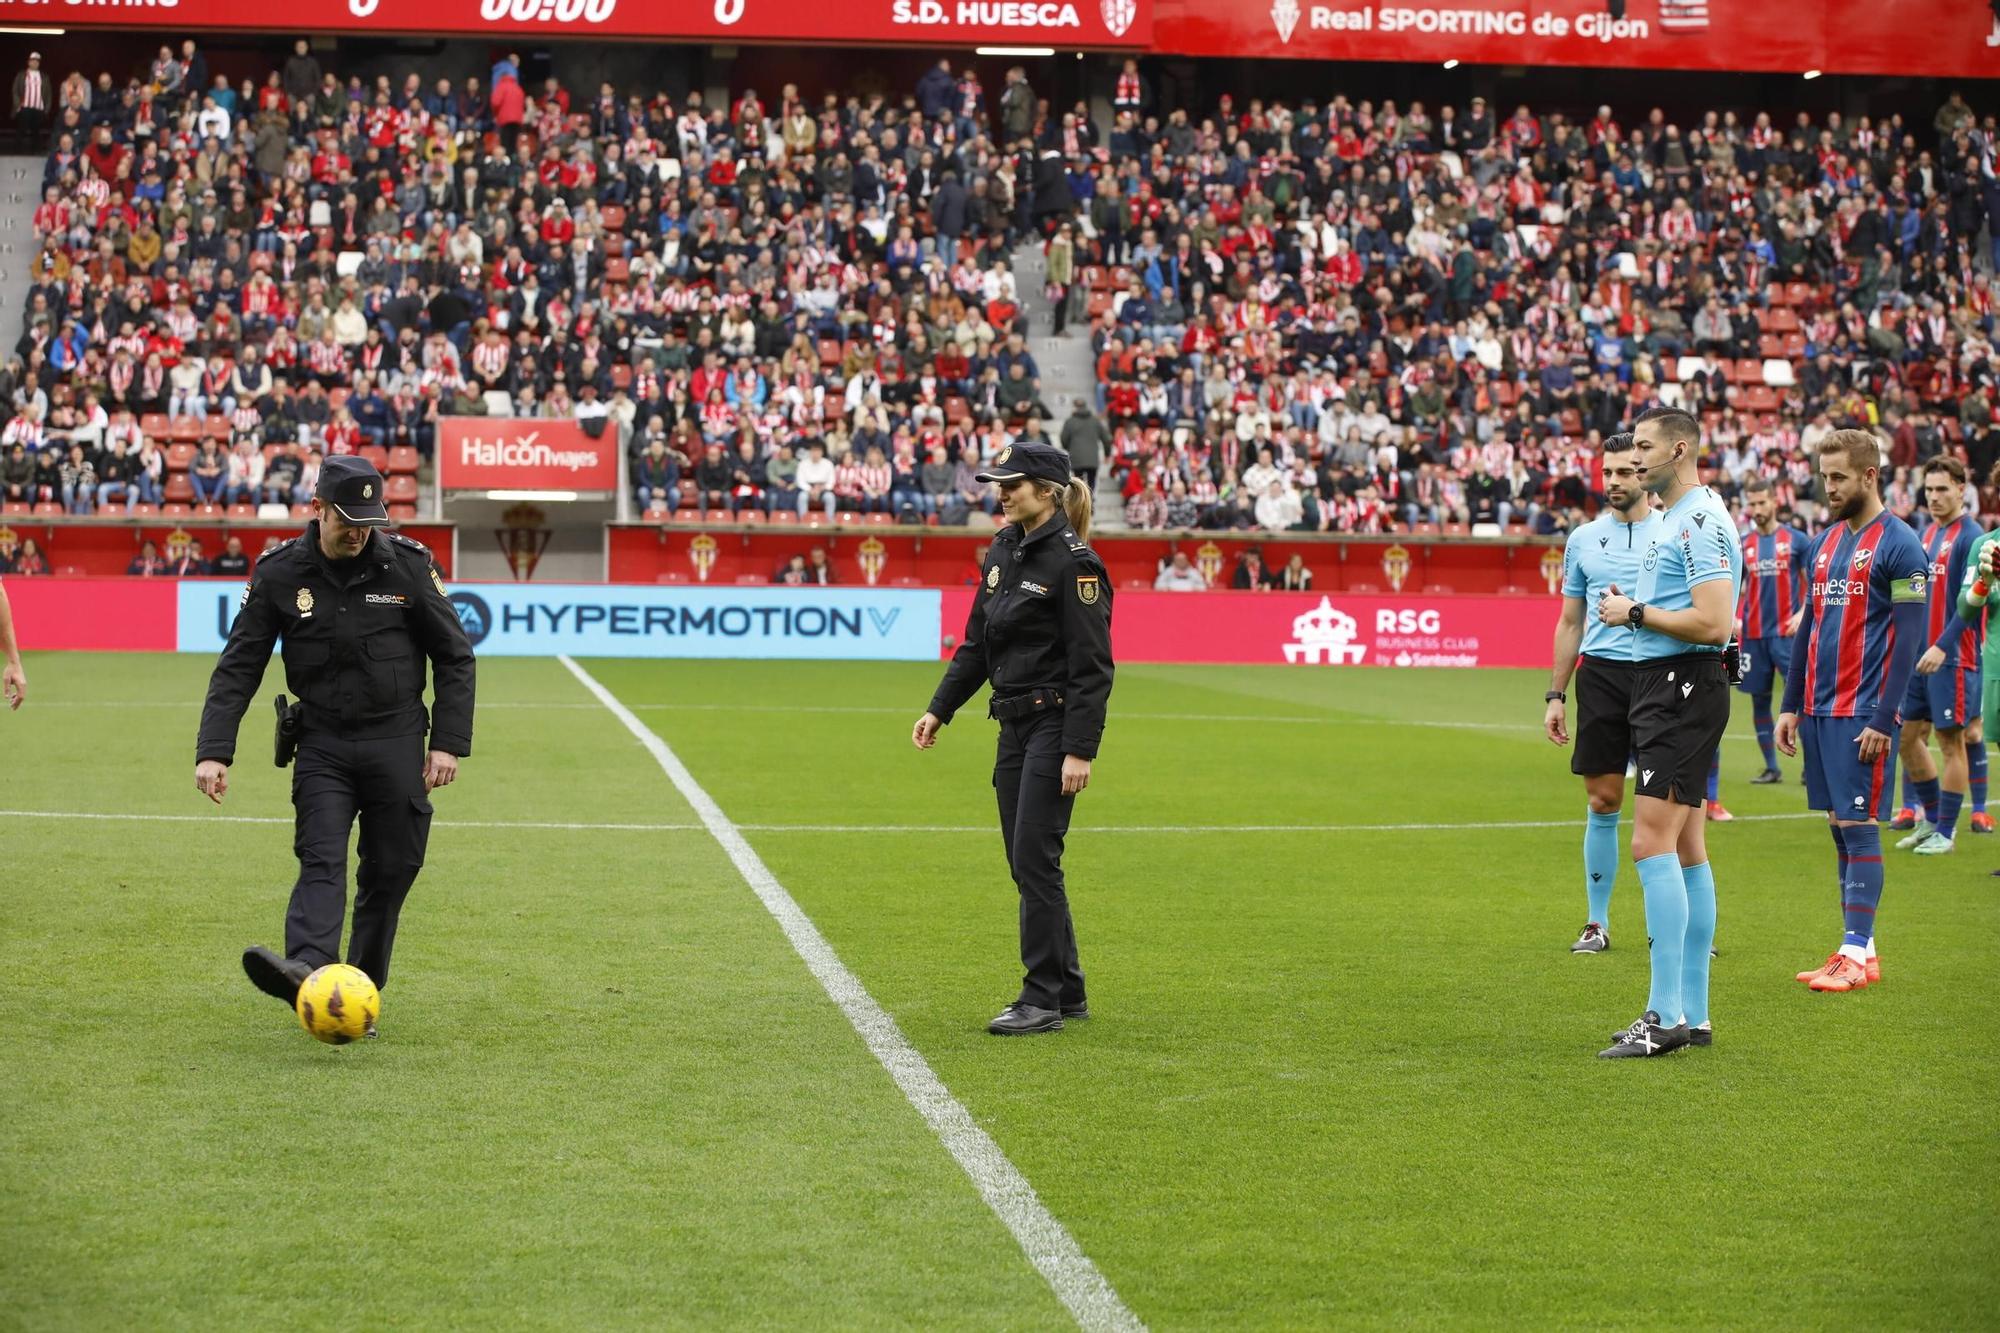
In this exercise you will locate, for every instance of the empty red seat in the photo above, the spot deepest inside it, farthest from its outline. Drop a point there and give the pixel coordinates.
(687, 516)
(174, 510)
(239, 513)
(400, 490)
(179, 490)
(377, 455)
(402, 513)
(785, 517)
(403, 459)
(47, 509)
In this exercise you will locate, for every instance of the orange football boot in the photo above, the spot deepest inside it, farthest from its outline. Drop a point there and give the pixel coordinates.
(1717, 814)
(1874, 970)
(1982, 822)
(1812, 972)
(1841, 973)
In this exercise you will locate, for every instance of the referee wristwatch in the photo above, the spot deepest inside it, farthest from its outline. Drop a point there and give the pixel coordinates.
(1636, 617)
(1555, 696)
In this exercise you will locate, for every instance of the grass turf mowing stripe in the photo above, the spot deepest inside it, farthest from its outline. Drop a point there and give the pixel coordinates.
(570, 827)
(1055, 1254)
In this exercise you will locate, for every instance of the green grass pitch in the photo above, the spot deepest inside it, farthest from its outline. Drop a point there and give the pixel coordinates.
(1338, 1075)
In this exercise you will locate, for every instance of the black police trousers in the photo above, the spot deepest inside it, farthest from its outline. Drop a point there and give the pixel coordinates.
(333, 780)
(1034, 819)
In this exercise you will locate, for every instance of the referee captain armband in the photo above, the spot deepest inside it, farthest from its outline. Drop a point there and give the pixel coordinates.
(1734, 665)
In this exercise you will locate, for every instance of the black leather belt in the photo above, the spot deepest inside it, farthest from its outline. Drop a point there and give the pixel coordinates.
(1023, 705)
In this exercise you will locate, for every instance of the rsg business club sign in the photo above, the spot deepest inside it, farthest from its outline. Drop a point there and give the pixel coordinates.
(526, 454)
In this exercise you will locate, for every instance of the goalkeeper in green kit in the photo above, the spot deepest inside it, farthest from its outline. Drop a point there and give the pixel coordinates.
(1978, 601)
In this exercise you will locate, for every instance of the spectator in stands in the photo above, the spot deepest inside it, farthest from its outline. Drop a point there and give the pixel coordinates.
(281, 479)
(817, 476)
(28, 559)
(33, 99)
(308, 482)
(1180, 575)
(149, 474)
(148, 562)
(819, 569)
(1295, 577)
(792, 572)
(656, 478)
(17, 475)
(1251, 574)
(1279, 508)
(712, 478)
(79, 481)
(245, 478)
(1148, 509)
(232, 562)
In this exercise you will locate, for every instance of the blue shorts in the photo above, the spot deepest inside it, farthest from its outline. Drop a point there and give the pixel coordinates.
(1948, 698)
(1837, 781)
(1762, 659)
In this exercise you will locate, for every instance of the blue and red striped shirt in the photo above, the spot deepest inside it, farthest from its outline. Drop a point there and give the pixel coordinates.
(1947, 546)
(1774, 581)
(1858, 578)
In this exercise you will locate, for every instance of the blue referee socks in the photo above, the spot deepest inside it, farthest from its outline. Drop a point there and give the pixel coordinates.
(1600, 864)
(1700, 938)
(1864, 883)
(1667, 922)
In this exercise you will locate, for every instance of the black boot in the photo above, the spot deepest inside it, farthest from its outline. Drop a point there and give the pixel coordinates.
(277, 977)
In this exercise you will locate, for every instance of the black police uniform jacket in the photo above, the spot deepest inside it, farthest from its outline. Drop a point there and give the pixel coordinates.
(1041, 619)
(355, 633)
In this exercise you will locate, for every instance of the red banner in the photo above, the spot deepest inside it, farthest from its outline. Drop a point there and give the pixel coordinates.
(1945, 38)
(94, 615)
(1318, 630)
(524, 454)
(1064, 23)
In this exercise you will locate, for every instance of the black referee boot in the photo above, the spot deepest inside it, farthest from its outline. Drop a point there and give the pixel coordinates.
(279, 978)
(1646, 1037)
(1020, 1020)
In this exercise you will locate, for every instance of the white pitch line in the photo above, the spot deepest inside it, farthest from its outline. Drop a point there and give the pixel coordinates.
(1090, 1298)
(981, 829)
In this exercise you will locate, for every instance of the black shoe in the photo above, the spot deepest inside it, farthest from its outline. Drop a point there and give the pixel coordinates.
(1646, 1037)
(1075, 1012)
(1702, 1036)
(1767, 778)
(1019, 1020)
(280, 978)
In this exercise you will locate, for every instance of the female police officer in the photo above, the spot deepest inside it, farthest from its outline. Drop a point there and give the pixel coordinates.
(1040, 632)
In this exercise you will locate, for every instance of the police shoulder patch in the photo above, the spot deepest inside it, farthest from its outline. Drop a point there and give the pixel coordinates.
(1087, 589)
(438, 583)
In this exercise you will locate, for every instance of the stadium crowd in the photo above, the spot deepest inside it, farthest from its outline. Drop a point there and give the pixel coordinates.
(1333, 316)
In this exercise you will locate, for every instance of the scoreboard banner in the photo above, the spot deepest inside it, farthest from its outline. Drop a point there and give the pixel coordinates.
(1064, 23)
(1943, 38)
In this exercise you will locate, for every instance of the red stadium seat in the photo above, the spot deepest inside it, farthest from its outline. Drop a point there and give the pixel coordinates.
(143, 510)
(880, 520)
(241, 513)
(185, 430)
(1426, 530)
(16, 507)
(1749, 371)
(174, 511)
(621, 376)
(179, 456)
(785, 518)
(47, 509)
(402, 513)
(754, 517)
(617, 270)
(687, 516)
(716, 516)
(302, 511)
(1456, 530)
(213, 511)
(1770, 346)
(377, 455)
(846, 518)
(155, 424)
(614, 217)
(215, 427)
(179, 490)
(400, 489)
(403, 460)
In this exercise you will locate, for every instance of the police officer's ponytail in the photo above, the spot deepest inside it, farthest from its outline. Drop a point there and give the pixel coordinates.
(1076, 507)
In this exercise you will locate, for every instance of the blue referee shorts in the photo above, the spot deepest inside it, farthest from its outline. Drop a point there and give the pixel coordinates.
(1836, 779)
(1948, 698)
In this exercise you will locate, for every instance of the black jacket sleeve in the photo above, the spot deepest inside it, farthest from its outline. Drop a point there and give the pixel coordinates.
(238, 673)
(1086, 628)
(453, 667)
(967, 670)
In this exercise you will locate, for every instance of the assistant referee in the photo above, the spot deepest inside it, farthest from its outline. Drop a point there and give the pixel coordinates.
(1040, 634)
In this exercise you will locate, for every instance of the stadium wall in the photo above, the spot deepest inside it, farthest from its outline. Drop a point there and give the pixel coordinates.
(832, 624)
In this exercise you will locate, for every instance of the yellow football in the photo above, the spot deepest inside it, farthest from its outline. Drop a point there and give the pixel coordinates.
(339, 1003)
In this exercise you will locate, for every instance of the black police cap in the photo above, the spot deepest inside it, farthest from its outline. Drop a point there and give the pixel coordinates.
(354, 488)
(1029, 462)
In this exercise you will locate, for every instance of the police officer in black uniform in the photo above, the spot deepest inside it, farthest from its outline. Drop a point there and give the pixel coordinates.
(358, 608)
(1040, 633)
